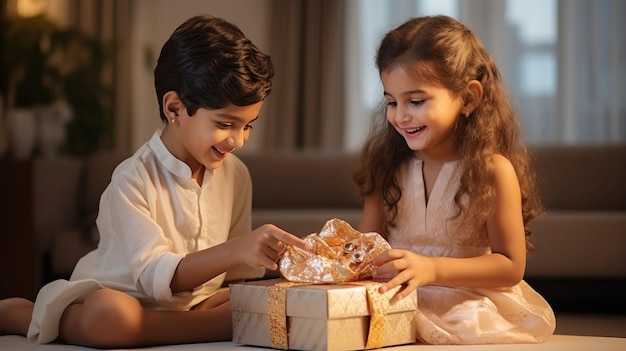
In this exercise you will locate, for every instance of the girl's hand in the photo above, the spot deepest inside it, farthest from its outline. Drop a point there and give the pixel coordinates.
(265, 245)
(405, 268)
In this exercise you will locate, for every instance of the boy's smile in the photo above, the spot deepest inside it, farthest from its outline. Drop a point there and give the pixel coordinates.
(225, 130)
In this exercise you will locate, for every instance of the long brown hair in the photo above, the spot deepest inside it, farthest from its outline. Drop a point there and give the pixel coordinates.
(441, 50)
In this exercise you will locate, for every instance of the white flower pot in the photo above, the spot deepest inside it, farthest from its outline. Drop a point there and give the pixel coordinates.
(22, 132)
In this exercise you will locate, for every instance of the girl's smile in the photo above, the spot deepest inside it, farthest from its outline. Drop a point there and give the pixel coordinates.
(413, 132)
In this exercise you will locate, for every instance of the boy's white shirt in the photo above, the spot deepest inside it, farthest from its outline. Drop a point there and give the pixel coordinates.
(153, 213)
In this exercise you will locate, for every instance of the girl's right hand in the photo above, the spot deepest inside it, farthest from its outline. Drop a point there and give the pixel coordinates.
(264, 246)
(404, 268)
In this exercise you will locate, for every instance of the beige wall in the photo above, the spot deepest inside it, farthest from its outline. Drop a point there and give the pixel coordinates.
(152, 22)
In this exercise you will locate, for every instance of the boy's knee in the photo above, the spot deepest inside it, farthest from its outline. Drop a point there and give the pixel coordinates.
(111, 318)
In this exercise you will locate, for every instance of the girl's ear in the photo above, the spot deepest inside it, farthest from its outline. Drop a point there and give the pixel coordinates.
(474, 96)
(171, 105)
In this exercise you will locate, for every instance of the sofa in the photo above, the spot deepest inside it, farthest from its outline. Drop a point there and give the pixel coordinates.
(580, 259)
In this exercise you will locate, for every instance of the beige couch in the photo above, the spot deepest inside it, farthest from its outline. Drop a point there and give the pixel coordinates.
(580, 240)
(583, 233)
(582, 236)
(580, 261)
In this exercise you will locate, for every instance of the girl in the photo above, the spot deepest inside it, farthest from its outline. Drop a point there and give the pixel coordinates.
(446, 179)
(176, 215)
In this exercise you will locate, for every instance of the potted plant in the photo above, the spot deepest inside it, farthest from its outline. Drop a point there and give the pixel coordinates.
(52, 71)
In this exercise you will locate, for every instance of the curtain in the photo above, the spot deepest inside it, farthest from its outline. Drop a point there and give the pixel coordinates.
(109, 20)
(305, 109)
(568, 86)
(588, 105)
(592, 71)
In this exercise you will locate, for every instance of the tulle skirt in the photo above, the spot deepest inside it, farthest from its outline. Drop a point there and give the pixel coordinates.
(483, 316)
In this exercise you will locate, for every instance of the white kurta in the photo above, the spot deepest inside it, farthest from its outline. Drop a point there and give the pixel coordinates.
(151, 215)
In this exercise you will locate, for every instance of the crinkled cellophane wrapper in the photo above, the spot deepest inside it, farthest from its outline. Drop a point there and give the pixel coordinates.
(325, 300)
(339, 254)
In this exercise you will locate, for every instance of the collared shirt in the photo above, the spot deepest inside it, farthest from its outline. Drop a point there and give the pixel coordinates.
(153, 213)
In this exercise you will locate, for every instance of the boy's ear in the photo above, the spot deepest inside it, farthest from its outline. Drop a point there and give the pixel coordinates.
(171, 104)
(474, 96)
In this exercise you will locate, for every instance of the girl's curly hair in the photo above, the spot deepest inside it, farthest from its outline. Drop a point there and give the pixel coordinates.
(441, 50)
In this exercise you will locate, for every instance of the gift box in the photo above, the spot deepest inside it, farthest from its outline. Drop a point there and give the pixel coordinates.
(352, 316)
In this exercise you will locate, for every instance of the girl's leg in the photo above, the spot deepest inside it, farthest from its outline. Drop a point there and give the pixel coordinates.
(112, 319)
(15, 315)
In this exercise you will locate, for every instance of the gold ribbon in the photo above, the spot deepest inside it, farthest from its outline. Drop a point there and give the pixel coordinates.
(378, 306)
(277, 304)
(276, 308)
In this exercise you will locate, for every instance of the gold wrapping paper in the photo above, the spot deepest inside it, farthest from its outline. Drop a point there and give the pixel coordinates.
(321, 317)
(339, 254)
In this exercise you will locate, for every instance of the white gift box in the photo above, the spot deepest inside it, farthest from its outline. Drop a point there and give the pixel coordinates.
(320, 317)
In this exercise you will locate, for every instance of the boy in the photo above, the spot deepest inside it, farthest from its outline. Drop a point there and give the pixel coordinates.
(176, 215)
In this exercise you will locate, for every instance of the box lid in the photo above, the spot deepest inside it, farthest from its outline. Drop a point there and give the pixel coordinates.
(313, 301)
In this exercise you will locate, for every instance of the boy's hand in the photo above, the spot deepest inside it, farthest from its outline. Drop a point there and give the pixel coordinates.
(265, 245)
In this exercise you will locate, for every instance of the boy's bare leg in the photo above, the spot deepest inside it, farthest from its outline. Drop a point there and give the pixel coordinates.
(112, 319)
(15, 315)
(214, 301)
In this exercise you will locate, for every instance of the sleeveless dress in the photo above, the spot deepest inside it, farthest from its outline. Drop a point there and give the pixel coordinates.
(452, 315)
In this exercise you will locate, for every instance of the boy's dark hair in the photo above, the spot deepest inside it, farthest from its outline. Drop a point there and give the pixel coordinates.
(210, 64)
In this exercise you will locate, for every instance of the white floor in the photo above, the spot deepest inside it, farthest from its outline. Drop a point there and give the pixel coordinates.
(554, 343)
(573, 333)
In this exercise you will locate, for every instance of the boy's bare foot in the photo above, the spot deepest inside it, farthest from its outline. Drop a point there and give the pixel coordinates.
(15, 315)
